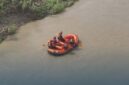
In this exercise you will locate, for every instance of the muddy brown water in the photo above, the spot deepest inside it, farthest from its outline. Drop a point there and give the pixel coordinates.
(103, 59)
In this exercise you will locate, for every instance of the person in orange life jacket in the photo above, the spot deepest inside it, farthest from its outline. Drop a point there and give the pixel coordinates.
(60, 37)
(52, 43)
(54, 40)
(72, 42)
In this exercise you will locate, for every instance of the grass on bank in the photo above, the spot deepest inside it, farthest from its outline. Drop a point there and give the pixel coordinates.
(10, 30)
(36, 9)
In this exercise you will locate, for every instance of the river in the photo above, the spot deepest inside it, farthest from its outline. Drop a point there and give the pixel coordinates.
(103, 59)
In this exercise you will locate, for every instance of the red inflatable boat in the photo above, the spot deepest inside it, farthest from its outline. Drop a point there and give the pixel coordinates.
(66, 46)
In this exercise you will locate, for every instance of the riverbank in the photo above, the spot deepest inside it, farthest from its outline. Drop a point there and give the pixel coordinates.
(15, 13)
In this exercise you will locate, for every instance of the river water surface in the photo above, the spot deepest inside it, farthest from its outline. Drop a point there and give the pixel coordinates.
(103, 59)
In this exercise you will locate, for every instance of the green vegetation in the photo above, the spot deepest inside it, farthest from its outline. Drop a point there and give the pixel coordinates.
(39, 8)
(1, 39)
(26, 10)
(12, 29)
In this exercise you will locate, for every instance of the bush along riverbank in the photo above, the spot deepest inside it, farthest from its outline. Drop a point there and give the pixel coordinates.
(14, 13)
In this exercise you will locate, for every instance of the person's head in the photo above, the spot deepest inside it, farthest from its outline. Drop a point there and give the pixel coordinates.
(54, 38)
(60, 33)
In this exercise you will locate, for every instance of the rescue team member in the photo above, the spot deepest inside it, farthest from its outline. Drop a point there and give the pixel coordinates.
(60, 37)
(54, 44)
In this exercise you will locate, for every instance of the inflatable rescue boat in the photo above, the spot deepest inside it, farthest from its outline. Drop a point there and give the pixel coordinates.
(65, 47)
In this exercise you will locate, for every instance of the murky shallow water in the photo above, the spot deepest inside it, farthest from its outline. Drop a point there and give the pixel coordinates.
(102, 26)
